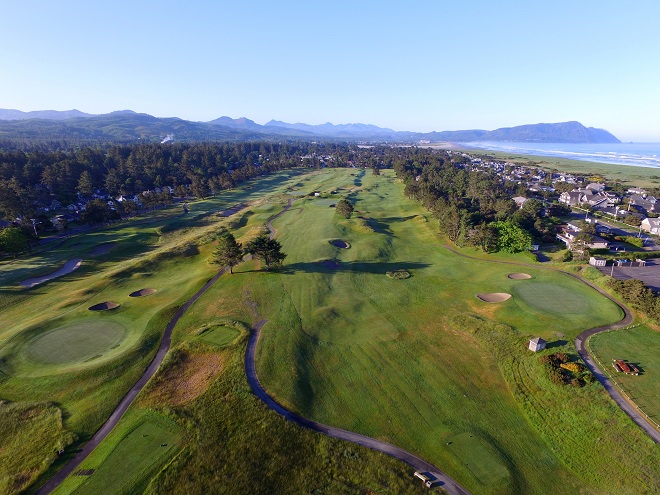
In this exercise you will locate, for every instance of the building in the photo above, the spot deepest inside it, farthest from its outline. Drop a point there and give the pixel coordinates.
(651, 225)
(537, 344)
(593, 261)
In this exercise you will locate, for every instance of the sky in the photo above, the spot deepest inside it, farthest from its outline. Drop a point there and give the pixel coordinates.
(419, 65)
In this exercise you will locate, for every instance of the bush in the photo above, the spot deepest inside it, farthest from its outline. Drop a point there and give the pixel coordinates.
(399, 274)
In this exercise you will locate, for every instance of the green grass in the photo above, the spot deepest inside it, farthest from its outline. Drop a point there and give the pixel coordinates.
(554, 298)
(220, 335)
(78, 342)
(414, 362)
(482, 462)
(133, 462)
(406, 361)
(133, 454)
(85, 381)
(640, 346)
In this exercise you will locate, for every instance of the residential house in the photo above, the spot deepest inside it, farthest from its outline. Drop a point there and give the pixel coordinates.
(651, 225)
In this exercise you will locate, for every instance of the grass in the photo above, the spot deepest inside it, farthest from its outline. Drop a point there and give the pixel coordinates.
(88, 379)
(78, 342)
(405, 362)
(220, 335)
(639, 346)
(416, 363)
(129, 459)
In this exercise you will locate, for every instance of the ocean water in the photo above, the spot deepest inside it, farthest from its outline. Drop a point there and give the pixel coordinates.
(638, 154)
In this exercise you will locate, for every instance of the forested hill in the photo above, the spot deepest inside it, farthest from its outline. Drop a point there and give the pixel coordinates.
(126, 127)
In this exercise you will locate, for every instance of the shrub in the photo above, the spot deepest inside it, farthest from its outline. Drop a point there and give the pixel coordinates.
(560, 357)
(398, 274)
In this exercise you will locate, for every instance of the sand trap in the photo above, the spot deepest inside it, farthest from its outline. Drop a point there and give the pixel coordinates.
(104, 306)
(331, 264)
(68, 267)
(142, 292)
(494, 297)
(340, 244)
(102, 249)
(519, 276)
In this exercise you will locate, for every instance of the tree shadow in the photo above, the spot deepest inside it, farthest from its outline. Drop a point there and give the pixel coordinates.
(348, 266)
(556, 343)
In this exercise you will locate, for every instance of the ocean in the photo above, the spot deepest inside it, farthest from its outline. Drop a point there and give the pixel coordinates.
(637, 154)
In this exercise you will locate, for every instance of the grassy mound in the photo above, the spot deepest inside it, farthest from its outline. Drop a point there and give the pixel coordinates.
(78, 342)
(398, 274)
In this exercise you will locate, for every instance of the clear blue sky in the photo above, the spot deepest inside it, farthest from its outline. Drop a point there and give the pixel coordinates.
(418, 65)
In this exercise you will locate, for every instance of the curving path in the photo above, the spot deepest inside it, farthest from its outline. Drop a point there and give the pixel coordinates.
(418, 464)
(128, 399)
(442, 479)
(580, 345)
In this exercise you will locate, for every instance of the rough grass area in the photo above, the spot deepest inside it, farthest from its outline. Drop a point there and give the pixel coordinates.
(37, 425)
(640, 346)
(185, 376)
(77, 342)
(480, 458)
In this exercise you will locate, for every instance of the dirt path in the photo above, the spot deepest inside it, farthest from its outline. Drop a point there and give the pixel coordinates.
(580, 344)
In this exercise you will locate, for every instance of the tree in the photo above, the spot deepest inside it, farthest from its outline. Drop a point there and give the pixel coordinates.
(229, 252)
(85, 184)
(13, 241)
(511, 238)
(266, 249)
(344, 208)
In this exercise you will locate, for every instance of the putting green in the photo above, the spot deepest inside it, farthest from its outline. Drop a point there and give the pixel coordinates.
(78, 342)
(553, 298)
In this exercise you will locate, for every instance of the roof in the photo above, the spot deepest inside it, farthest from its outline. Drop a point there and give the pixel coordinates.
(537, 341)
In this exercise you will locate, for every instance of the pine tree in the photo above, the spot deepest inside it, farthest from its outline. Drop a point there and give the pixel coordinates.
(266, 249)
(229, 252)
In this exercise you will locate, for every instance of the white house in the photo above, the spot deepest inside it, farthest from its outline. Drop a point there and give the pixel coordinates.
(651, 225)
(593, 261)
(537, 344)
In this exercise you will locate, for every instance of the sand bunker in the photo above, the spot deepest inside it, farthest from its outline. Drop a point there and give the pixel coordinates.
(104, 306)
(519, 276)
(331, 264)
(102, 249)
(494, 297)
(68, 267)
(340, 244)
(142, 292)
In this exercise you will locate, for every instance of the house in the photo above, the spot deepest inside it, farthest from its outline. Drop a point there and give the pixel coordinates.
(596, 187)
(651, 225)
(537, 344)
(571, 198)
(520, 201)
(593, 261)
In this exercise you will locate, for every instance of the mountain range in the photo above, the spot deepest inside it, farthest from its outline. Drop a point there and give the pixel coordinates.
(129, 126)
